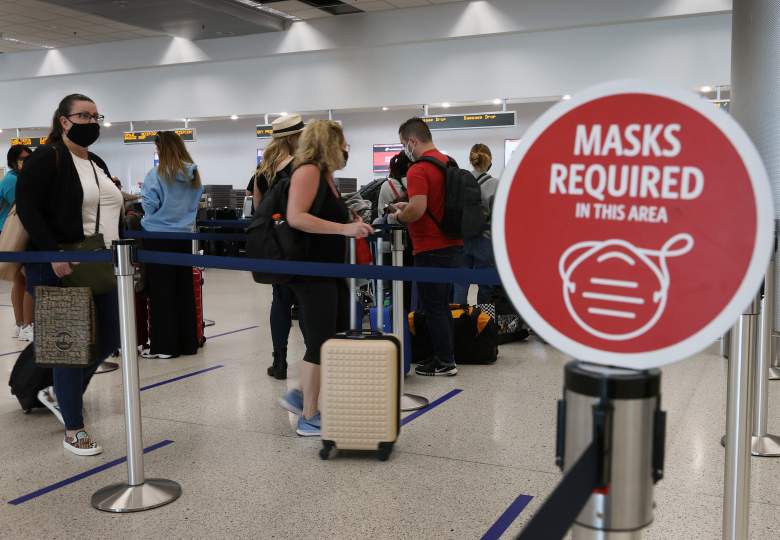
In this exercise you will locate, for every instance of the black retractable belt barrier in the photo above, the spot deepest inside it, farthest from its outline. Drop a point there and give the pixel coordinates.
(561, 508)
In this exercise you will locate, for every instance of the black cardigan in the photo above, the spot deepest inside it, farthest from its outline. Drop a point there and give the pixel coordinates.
(49, 197)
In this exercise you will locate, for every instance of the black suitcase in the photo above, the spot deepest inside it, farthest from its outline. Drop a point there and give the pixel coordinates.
(28, 378)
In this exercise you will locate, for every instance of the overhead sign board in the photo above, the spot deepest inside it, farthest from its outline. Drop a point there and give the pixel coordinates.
(633, 224)
(32, 142)
(264, 131)
(383, 153)
(471, 121)
(143, 137)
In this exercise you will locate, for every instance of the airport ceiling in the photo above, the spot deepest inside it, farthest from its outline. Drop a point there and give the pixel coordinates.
(50, 24)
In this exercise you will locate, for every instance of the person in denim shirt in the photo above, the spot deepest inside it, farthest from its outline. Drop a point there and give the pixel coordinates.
(170, 197)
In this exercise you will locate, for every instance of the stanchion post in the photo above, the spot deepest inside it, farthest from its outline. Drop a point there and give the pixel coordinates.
(607, 406)
(409, 402)
(774, 360)
(353, 322)
(736, 498)
(139, 493)
(762, 443)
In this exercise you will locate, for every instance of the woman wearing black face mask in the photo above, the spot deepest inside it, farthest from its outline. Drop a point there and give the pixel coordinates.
(65, 193)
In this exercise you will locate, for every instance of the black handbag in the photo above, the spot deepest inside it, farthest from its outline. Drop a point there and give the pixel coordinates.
(98, 276)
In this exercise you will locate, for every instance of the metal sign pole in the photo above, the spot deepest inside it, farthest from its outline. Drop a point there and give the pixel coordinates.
(736, 498)
(409, 402)
(139, 493)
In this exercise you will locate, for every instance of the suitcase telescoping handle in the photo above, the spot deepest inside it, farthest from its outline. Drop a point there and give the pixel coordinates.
(354, 323)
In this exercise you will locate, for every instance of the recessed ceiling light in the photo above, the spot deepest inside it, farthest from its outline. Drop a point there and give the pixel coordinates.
(1, 130)
(497, 101)
(385, 108)
(106, 124)
(234, 117)
(706, 88)
(282, 113)
(566, 97)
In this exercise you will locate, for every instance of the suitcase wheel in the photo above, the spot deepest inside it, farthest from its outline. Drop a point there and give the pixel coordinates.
(327, 446)
(384, 451)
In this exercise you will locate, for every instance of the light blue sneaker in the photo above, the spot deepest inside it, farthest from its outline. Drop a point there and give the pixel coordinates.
(292, 401)
(310, 427)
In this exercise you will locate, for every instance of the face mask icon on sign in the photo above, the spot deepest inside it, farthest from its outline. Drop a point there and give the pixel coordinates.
(615, 290)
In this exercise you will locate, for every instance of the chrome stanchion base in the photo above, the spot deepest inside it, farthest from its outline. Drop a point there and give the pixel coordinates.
(412, 402)
(106, 367)
(774, 373)
(765, 446)
(121, 498)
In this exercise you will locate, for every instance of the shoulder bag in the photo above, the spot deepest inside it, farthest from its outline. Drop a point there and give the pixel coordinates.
(64, 327)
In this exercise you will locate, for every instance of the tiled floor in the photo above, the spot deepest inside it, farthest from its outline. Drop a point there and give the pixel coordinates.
(245, 474)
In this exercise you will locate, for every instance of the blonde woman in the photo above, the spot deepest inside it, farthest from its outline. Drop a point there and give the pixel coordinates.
(324, 311)
(478, 251)
(170, 197)
(277, 164)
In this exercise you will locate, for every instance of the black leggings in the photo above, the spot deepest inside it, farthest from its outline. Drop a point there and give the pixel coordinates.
(172, 294)
(324, 312)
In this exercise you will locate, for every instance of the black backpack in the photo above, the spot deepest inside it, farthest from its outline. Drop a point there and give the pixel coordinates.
(463, 215)
(269, 236)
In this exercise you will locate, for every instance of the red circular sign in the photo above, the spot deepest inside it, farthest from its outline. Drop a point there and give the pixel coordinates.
(633, 225)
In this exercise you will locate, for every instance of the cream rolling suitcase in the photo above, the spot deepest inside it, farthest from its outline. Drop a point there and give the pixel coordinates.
(360, 392)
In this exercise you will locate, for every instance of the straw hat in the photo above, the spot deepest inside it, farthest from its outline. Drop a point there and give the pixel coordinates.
(287, 125)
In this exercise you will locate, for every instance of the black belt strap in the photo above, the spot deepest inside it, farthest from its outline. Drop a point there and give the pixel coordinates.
(561, 508)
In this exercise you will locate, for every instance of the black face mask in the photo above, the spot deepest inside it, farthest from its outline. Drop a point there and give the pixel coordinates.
(345, 153)
(84, 134)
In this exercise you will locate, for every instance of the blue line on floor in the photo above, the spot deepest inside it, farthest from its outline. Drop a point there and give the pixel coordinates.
(431, 405)
(10, 353)
(232, 332)
(506, 519)
(180, 377)
(85, 474)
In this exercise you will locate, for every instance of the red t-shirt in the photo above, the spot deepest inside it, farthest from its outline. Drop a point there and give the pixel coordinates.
(428, 179)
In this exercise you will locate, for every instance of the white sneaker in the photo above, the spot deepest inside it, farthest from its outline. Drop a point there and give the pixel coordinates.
(49, 400)
(82, 445)
(148, 354)
(26, 333)
(17, 329)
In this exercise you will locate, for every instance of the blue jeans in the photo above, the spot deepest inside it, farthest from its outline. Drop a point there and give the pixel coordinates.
(281, 317)
(71, 383)
(477, 254)
(434, 301)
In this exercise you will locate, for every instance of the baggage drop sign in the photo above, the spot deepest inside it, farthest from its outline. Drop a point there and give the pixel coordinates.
(633, 225)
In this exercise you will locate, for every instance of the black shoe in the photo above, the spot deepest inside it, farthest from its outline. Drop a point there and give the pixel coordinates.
(437, 369)
(278, 369)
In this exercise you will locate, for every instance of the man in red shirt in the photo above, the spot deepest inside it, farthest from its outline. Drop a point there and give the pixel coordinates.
(426, 187)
